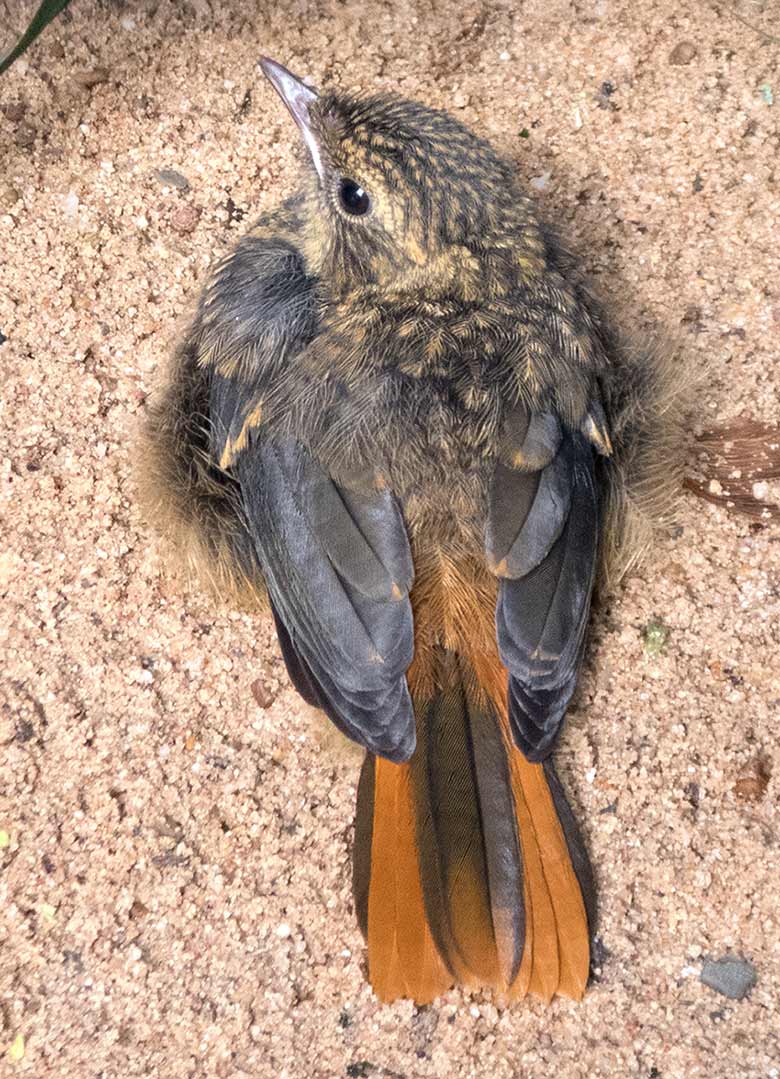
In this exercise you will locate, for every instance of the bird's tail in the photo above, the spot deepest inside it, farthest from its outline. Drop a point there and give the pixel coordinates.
(468, 864)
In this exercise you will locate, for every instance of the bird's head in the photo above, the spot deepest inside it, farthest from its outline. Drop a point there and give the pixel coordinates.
(403, 196)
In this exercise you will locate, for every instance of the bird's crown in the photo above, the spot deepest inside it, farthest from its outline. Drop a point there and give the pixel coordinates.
(405, 196)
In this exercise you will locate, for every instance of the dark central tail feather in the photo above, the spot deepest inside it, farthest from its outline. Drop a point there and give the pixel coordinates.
(468, 865)
(470, 859)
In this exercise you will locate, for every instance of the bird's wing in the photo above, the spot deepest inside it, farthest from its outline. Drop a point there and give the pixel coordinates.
(542, 541)
(338, 569)
(336, 560)
(258, 312)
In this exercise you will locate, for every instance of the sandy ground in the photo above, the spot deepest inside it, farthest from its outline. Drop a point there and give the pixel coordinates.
(174, 877)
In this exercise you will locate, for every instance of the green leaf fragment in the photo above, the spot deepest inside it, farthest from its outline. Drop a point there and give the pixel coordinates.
(655, 635)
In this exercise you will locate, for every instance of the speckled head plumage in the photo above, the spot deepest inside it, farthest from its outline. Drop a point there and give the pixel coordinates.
(405, 195)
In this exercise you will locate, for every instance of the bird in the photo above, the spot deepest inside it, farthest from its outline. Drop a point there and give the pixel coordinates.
(400, 423)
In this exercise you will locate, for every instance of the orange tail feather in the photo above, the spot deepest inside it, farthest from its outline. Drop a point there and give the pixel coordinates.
(424, 933)
(556, 956)
(403, 960)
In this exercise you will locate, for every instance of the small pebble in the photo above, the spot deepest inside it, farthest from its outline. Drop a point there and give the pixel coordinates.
(24, 136)
(70, 204)
(283, 931)
(753, 780)
(173, 179)
(261, 693)
(9, 195)
(760, 491)
(539, 183)
(138, 910)
(460, 100)
(185, 218)
(682, 54)
(14, 111)
(91, 77)
(730, 976)
(5, 839)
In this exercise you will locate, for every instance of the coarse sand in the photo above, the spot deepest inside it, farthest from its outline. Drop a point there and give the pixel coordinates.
(175, 825)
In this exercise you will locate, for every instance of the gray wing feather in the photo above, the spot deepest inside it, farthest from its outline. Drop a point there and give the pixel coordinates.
(542, 540)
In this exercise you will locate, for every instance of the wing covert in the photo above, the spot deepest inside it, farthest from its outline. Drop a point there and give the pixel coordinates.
(542, 541)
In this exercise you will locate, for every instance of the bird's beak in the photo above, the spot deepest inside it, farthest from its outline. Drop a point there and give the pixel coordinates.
(299, 99)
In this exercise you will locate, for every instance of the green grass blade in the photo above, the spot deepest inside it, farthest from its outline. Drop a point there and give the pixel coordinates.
(48, 10)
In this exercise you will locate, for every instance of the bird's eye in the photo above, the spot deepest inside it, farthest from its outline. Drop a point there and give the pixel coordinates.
(353, 198)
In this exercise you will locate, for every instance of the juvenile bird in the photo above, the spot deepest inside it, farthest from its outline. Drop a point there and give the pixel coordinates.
(399, 412)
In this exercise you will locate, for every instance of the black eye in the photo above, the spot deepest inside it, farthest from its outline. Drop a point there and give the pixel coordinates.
(353, 198)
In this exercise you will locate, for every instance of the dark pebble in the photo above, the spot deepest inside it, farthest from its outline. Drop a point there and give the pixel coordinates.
(359, 1070)
(24, 731)
(730, 976)
(173, 179)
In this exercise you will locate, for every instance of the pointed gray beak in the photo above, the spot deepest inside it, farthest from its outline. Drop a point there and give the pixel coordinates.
(298, 98)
